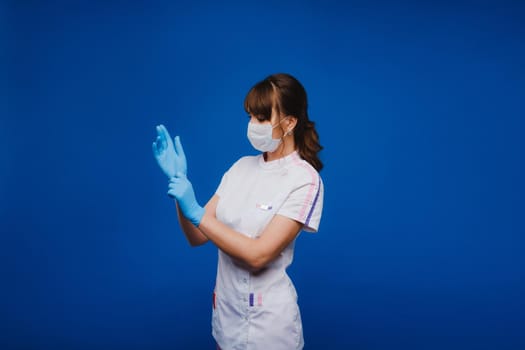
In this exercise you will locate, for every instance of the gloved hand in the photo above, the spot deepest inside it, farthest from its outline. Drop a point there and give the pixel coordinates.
(182, 190)
(171, 158)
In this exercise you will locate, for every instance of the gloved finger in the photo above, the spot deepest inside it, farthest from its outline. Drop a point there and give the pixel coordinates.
(155, 149)
(174, 181)
(161, 131)
(179, 187)
(171, 194)
(179, 149)
(158, 144)
(165, 135)
(161, 136)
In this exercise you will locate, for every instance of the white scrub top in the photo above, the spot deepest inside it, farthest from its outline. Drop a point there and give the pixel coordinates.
(258, 310)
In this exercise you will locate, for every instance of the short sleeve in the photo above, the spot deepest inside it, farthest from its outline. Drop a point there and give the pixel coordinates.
(222, 185)
(305, 205)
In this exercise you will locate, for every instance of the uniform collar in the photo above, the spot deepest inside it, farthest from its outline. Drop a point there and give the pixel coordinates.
(278, 163)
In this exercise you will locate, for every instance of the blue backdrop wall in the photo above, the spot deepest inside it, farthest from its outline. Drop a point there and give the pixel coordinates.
(420, 108)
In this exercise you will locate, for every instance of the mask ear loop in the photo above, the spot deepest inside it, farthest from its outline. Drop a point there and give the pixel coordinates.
(289, 132)
(286, 133)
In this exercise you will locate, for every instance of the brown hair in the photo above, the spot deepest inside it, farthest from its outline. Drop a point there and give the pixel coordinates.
(288, 96)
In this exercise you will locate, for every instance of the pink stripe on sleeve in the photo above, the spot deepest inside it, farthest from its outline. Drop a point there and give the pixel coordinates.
(311, 193)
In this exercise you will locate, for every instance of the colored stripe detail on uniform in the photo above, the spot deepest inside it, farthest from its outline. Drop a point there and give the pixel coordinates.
(251, 299)
(310, 195)
(314, 203)
(259, 299)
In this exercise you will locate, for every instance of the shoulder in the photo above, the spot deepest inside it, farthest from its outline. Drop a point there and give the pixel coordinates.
(247, 161)
(304, 173)
(243, 164)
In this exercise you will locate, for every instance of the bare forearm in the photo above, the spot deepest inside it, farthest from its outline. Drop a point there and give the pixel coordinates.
(232, 242)
(192, 233)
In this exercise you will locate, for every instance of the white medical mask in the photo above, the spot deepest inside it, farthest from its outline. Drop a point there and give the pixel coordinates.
(260, 136)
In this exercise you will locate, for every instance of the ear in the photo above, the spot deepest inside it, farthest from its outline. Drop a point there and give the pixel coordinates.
(290, 125)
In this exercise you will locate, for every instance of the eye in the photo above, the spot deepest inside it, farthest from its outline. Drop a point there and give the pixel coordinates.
(260, 118)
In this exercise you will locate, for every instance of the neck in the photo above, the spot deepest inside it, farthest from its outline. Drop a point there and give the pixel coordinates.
(286, 147)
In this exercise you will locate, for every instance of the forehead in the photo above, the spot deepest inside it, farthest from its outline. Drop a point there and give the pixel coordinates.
(260, 100)
(273, 118)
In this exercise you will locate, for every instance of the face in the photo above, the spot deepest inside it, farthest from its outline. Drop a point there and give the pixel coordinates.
(280, 123)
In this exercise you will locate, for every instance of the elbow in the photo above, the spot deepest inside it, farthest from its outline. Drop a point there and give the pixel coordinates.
(257, 262)
(256, 266)
(259, 256)
(197, 242)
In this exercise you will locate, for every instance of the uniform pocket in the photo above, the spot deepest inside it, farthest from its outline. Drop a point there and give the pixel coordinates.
(213, 310)
(215, 315)
(297, 321)
(290, 319)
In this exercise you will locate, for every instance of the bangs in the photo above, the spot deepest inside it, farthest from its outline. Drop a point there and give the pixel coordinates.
(260, 100)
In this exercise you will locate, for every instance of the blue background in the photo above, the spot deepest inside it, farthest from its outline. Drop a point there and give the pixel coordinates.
(420, 108)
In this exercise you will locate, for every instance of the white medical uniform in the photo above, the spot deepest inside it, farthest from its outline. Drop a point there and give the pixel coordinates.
(258, 310)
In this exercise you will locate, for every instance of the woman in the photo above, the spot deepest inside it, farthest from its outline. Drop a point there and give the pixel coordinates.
(258, 210)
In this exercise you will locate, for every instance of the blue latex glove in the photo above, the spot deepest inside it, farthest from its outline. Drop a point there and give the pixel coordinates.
(170, 157)
(182, 190)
